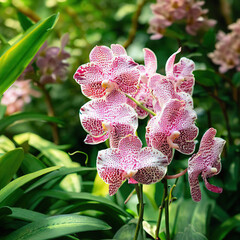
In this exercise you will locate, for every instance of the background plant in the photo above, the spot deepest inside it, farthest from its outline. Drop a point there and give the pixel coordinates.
(216, 98)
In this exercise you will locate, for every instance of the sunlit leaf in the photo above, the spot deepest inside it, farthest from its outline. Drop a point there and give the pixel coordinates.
(19, 55)
(17, 183)
(9, 164)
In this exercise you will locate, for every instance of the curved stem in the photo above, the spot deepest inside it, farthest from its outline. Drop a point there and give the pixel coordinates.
(140, 105)
(50, 111)
(139, 190)
(176, 175)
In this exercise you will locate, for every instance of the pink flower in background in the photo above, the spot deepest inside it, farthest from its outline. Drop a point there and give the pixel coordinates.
(130, 161)
(167, 12)
(227, 52)
(18, 95)
(206, 162)
(143, 94)
(52, 64)
(108, 69)
(108, 117)
(174, 127)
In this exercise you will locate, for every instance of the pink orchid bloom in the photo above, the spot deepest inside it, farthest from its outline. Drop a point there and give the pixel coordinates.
(108, 69)
(143, 94)
(174, 127)
(181, 73)
(108, 117)
(163, 90)
(130, 161)
(206, 162)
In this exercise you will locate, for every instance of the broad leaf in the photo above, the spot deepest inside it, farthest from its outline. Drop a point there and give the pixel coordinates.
(20, 54)
(190, 234)
(9, 164)
(27, 116)
(17, 183)
(57, 226)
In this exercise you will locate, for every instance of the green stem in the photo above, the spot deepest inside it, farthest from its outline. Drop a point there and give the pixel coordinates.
(140, 105)
(160, 214)
(139, 190)
(166, 209)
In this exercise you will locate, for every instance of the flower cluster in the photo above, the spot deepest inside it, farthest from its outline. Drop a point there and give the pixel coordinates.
(51, 65)
(18, 95)
(227, 52)
(122, 91)
(166, 12)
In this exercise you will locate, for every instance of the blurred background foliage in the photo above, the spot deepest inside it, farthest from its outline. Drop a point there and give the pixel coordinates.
(104, 22)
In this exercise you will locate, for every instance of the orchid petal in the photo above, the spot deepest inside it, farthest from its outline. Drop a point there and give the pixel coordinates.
(150, 61)
(118, 50)
(170, 63)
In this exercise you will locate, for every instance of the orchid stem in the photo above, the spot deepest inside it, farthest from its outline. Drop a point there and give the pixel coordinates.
(160, 214)
(139, 190)
(140, 105)
(166, 204)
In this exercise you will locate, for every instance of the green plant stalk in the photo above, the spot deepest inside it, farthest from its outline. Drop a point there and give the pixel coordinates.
(140, 105)
(139, 190)
(166, 204)
(160, 214)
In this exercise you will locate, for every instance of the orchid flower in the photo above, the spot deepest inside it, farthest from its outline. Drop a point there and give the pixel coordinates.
(108, 117)
(205, 162)
(130, 161)
(107, 70)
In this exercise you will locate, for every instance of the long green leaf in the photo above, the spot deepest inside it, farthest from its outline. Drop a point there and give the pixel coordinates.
(226, 227)
(70, 196)
(23, 214)
(19, 55)
(17, 183)
(57, 226)
(27, 116)
(62, 172)
(9, 164)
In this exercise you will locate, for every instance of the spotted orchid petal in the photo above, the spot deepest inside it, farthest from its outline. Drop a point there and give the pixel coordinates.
(183, 77)
(118, 50)
(170, 63)
(150, 61)
(174, 128)
(124, 74)
(129, 161)
(206, 162)
(90, 77)
(97, 114)
(102, 56)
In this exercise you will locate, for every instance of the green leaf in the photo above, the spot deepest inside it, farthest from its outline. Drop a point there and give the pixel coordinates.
(17, 183)
(6, 144)
(20, 54)
(190, 234)
(67, 196)
(27, 116)
(57, 226)
(226, 227)
(9, 164)
(25, 22)
(23, 214)
(236, 79)
(207, 77)
(127, 231)
(31, 164)
(209, 39)
(62, 172)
